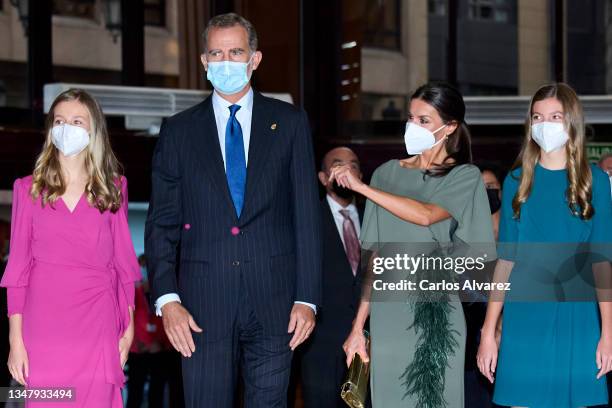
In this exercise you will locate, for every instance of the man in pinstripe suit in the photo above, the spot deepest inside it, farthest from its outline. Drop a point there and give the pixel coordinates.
(233, 230)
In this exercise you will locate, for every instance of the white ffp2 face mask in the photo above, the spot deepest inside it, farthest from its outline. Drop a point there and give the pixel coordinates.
(69, 139)
(418, 139)
(550, 136)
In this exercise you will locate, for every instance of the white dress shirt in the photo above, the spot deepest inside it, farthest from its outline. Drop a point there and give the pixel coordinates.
(222, 115)
(244, 116)
(339, 218)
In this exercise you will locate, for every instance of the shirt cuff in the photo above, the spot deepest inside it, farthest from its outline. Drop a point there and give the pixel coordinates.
(310, 305)
(162, 300)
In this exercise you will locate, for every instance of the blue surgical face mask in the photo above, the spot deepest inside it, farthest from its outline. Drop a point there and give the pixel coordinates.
(229, 77)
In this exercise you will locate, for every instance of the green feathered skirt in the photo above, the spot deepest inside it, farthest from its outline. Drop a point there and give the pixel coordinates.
(393, 347)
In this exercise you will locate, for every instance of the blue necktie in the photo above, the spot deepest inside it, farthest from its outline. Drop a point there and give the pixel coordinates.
(235, 163)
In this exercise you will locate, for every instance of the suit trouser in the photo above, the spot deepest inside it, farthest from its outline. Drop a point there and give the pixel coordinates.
(210, 375)
(323, 367)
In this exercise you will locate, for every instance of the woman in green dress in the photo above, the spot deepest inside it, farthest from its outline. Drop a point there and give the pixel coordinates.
(433, 197)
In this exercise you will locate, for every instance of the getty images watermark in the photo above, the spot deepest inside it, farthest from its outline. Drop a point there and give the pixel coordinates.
(516, 272)
(413, 264)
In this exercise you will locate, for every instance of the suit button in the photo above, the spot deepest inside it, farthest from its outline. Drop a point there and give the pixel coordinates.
(235, 263)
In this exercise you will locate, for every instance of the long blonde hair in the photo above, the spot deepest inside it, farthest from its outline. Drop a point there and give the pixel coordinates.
(579, 176)
(103, 168)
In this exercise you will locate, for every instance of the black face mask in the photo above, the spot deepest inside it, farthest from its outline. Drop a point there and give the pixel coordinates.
(494, 201)
(342, 192)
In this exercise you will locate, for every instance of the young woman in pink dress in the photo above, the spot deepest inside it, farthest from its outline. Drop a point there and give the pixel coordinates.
(72, 267)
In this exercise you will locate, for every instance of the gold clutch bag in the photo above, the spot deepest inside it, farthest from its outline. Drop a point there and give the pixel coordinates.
(355, 388)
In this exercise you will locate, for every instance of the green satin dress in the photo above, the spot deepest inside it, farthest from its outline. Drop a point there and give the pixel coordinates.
(393, 343)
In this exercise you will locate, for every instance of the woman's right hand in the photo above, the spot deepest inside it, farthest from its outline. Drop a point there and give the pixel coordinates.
(18, 364)
(346, 176)
(355, 343)
(487, 356)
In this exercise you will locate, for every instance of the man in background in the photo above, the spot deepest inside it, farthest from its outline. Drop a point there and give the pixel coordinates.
(605, 163)
(323, 362)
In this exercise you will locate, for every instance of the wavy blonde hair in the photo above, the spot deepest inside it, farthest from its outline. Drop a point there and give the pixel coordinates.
(579, 175)
(103, 168)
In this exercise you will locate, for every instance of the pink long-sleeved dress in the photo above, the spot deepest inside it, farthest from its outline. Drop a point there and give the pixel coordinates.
(71, 275)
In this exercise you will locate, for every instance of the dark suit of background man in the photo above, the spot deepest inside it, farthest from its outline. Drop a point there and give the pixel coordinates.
(234, 212)
(323, 362)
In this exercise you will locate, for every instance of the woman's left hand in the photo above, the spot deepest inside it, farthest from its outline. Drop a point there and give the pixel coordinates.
(125, 342)
(603, 357)
(345, 176)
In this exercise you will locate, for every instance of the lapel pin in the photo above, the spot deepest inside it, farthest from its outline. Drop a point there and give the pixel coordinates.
(273, 127)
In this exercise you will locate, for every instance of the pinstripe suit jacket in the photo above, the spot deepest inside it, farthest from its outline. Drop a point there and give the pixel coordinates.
(192, 244)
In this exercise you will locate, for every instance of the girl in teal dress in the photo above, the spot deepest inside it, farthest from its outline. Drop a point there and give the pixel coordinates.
(552, 354)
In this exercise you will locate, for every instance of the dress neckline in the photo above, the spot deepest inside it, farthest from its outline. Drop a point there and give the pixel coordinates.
(399, 164)
(557, 171)
(76, 206)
